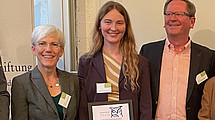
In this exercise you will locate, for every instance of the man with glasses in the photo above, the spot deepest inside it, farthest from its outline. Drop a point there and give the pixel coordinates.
(4, 95)
(179, 67)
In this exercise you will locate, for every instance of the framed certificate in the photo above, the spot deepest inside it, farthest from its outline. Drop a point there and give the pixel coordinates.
(113, 110)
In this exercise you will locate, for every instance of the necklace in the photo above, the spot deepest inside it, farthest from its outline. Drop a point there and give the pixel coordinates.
(57, 84)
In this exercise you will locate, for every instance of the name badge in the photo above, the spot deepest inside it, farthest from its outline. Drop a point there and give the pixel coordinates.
(103, 88)
(64, 100)
(201, 77)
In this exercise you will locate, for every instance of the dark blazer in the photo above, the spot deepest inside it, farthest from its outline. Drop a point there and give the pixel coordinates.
(201, 59)
(92, 71)
(4, 95)
(31, 99)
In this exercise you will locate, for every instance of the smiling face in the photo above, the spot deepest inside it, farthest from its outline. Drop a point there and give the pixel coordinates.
(48, 56)
(178, 25)
(112, 27)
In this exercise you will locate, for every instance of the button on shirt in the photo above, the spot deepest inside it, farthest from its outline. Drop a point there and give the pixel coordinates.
(173, 82)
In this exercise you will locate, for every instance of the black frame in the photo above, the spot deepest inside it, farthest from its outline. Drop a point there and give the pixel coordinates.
(129, 102)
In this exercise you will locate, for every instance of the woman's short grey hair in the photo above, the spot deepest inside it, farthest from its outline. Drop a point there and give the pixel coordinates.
(43, 31)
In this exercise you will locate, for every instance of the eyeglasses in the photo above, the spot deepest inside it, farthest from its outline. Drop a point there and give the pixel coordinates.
(53, 45)
(178, 14)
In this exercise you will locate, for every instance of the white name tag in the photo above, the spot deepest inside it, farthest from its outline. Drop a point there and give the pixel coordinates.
(201, 77)
(64, 100)
(103, 88)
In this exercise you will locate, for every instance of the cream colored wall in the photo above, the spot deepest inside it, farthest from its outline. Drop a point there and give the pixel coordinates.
(147, 21)
(85, 15)
(15, 32)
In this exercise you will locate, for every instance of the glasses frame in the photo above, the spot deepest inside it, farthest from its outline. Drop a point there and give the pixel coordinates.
(53, 45)
(178, 13)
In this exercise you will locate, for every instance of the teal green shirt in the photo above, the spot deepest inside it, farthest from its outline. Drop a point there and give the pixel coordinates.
(59, 107)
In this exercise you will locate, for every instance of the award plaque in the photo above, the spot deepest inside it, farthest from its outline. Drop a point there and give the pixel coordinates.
(113, 110)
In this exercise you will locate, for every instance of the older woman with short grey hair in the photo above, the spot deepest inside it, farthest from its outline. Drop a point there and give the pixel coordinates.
(46, 93)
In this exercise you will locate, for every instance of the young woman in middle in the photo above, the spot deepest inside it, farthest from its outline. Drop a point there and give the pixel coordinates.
(114, 60)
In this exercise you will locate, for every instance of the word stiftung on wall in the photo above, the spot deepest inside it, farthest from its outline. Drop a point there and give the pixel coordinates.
(9, 67)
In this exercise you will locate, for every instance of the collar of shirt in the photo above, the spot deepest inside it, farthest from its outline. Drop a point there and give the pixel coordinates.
(170, 47)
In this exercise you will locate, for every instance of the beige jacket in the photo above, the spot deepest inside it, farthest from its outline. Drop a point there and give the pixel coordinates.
(207, 112)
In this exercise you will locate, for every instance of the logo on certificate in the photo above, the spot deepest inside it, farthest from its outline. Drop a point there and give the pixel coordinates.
(116, 112)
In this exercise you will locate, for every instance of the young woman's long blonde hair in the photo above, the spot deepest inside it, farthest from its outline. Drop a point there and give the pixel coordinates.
(127, 45)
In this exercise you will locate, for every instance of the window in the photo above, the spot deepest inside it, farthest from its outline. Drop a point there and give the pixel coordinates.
(41, 12)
